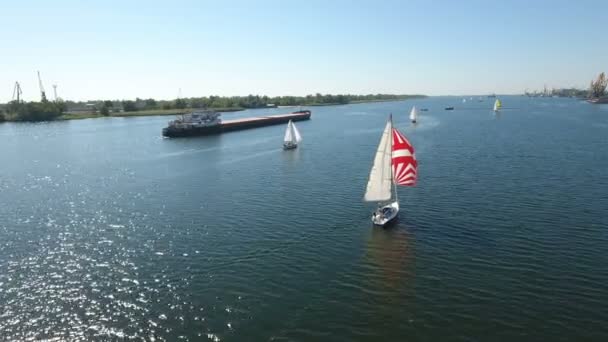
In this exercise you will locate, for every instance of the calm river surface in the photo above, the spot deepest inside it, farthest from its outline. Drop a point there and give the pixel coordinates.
(110, 232)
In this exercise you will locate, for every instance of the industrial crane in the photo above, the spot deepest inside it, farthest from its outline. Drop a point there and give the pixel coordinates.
(42, 93)
(17, 92)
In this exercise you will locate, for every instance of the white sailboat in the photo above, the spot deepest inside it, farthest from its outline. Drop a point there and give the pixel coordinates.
(414, 114)
(394, 164)
(497, 105)
(292, 136)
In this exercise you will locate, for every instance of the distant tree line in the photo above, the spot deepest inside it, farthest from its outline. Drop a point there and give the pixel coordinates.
(227, 102)
(32, 111)
(569, 92)
(47, 110)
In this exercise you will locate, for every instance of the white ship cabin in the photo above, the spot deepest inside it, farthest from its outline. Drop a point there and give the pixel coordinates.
(197, 119)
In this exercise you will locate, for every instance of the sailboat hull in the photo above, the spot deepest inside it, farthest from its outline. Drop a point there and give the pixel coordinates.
(386, 214)
(289, 146)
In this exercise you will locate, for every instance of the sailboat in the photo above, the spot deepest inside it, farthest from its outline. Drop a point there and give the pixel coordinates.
(292, 136)
(414, 114)
(497, 105)
(394, 164)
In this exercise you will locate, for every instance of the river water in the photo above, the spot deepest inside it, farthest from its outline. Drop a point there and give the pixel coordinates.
(110, 232)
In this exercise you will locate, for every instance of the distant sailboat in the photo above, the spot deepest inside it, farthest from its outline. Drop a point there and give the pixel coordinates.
(497, 105)
(394, 164)
(464, 100)
(414, 114)
(292, 136)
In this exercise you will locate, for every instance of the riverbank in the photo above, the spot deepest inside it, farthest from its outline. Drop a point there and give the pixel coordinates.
(78, 115)
(153, 112)
(70, 110)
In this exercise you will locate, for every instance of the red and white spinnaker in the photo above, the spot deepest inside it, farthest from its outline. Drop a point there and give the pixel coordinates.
(403, 160)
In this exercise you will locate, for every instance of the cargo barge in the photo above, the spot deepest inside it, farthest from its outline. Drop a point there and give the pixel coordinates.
(209, 122)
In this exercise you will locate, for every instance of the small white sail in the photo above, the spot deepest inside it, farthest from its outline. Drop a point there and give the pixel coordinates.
(296, 133)
(414, 114)
(288, 133)
(464, 100)
(380, 177)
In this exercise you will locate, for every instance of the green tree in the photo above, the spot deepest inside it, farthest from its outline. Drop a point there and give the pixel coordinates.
(150, 104)
(598, 87)
(129, 106)
(35, 111)
(105, 108)
(180, 104)
(197, 103)
(108, 104)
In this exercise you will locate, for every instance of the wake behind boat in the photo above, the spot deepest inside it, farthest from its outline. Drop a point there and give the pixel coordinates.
(394, 164)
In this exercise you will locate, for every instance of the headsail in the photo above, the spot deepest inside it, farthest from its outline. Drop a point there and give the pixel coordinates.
(296, 133)
(380, 177)
(289, 133)
(405, 166)
(414, 114)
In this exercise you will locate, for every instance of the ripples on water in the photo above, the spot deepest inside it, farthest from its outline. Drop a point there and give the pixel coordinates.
(108, 232)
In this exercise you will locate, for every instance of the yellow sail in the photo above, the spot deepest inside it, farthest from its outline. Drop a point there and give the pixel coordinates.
(497, 105)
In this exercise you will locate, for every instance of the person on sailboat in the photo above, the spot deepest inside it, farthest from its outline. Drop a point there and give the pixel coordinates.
(378, 215)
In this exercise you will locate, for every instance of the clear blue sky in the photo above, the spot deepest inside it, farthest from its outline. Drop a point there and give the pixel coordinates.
(127, 49)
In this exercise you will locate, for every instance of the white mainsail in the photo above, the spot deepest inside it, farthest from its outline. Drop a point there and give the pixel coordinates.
(289, 133)
(414, 114)
(296, 133)
(380, 181)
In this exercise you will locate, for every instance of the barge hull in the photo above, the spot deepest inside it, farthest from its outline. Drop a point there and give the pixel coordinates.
(237, 125)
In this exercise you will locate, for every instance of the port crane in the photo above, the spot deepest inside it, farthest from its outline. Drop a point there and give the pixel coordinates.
(55, 92)
(17, 92)
(42, 93)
